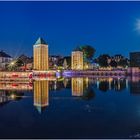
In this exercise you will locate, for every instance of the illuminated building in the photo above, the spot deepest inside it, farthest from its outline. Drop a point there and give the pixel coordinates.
(41, 97)
(77, 60)
(40, 55)
(77, 86)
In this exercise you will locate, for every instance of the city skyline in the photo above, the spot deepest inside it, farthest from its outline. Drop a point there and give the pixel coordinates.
(70, 69)
(110, 27)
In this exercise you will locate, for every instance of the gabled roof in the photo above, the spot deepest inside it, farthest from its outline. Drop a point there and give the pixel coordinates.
(40, 41)
(3, 54)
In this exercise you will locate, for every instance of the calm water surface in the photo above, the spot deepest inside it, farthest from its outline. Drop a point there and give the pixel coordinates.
(71, 108)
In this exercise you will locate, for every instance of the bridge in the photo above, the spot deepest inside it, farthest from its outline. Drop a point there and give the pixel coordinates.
(96, 73)
(6, 75)
(24, 77)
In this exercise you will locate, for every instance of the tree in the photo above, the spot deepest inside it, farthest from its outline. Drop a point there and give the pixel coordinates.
(15, 64)
(113, 63)
(88, 93)
(103, 60)
(104, 86)
(68, 60)
(123, 63)
(65, 64)
(88, 52)
(19, 63)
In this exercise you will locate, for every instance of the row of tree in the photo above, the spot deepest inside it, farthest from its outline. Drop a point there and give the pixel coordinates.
(106, 60)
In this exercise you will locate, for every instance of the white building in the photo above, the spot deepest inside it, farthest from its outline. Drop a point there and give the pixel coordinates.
(4, 59)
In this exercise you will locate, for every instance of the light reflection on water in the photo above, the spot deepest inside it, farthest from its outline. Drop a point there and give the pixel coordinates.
(77, 107)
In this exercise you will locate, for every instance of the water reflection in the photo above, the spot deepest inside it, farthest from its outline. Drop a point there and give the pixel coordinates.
(41, 95)
(103, 85)
(7, 96)
(4, 98)
(9, 85)
(135, 85)
(77, 86)
(39, 108)
(67, 83)
(116, 84)
(82, 87)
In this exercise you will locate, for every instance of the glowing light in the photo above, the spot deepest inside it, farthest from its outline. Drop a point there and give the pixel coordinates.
(12, 63)
(13, 96)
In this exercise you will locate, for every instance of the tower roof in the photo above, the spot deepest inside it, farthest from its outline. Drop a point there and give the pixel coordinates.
(40, 41)
(40, 109)
(77, 49)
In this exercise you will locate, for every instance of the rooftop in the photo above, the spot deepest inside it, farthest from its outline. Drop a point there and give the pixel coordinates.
(3, 54)
(40, 41)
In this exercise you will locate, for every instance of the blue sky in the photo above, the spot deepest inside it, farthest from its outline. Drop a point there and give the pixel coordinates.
(110, 27)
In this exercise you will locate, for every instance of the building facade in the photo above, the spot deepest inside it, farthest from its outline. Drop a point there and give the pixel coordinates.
(4, 59)
(135, 59)
(40, 51)
(134, 68)
(77, 60)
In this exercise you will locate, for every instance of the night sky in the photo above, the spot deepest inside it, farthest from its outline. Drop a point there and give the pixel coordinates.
(110, 27)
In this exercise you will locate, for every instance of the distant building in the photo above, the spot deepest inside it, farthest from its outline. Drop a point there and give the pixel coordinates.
(54, 58)
(54, 61)
(134, 64)
(135, 59)
(77, 60)
(4, 59)
(118, 57)
(40, 55)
